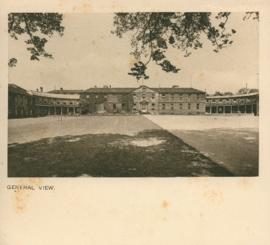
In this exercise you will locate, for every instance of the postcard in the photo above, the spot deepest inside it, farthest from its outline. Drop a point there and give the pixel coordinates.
(135, 123)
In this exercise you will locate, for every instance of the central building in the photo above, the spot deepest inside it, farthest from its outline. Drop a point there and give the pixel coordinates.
(145, 100)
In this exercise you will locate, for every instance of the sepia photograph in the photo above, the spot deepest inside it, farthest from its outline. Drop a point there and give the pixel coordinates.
(133, 94)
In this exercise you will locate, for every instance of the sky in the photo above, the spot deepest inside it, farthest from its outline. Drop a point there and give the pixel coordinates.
(88, 55)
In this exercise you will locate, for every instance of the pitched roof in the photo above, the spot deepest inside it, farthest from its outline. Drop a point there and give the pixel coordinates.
(109, 90)
(13, 88)
(56, 96)
(179, 90)
(66, 91)
(129, 90)
(231, 96)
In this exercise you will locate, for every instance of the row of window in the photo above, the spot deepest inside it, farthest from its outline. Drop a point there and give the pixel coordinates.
(172, 96)
(153, 96)
(172, 106)
(58, 102)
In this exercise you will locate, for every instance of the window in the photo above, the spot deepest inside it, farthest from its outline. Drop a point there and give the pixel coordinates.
(198, 106)
(163, 95)
(114, 106)
(153, 104)
(153, 96)
(71, 103)
(171, 107)
(163, 106)
(189, 106)
(181, 106)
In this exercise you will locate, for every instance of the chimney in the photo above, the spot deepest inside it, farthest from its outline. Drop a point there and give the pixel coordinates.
(61, 89)
(37, 89)
(41, 89)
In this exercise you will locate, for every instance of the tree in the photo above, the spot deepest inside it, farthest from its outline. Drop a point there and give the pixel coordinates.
(217, 93)
(153, 33)
(243, 91)
(247, 90)
(253, 90)
(38, 27)
(228, 93)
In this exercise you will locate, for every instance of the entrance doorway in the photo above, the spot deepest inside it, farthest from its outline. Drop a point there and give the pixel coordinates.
(144, 107)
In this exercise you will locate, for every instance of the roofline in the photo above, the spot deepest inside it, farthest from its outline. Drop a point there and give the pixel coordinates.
(64, 90)
(55, 96)
(132, 89)
(231, 96)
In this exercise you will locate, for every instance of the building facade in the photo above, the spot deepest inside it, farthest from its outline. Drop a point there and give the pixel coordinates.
(54, 104)
(141, 100)
(106, 100)
(20, 103)
(231, 104)
(175, 100)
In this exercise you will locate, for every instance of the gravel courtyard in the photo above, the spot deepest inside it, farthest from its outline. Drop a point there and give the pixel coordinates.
(31, 129)
(230, 141)
(109, 146)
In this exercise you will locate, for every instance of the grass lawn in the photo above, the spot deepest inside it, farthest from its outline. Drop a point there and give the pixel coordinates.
(154, 152)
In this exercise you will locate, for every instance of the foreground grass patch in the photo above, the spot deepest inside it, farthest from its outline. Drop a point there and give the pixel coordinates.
(149, 153)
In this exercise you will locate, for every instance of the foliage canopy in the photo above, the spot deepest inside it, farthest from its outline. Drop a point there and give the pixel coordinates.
(153, 33)
(38, 27)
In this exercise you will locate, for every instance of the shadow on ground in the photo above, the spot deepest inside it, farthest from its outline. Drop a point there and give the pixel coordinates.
(148, 153)
(235, 149)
